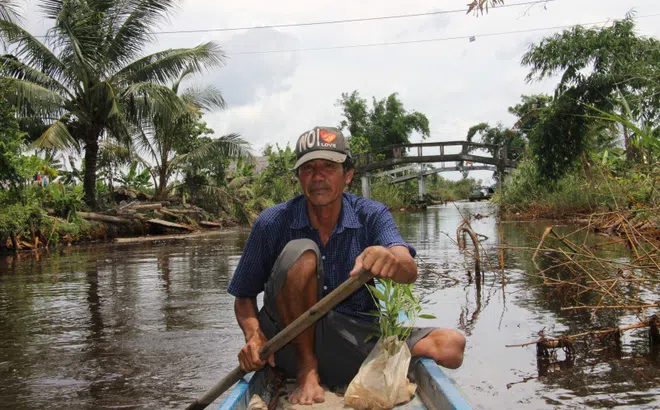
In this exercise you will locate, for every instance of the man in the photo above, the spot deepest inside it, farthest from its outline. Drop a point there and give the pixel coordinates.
(300, 250)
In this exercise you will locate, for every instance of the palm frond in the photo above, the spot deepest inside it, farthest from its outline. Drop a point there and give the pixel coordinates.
(167, 66)
(134, 22)
(188, 71)
(146, 145)
(9, 12)
(226, 146)
(120, 128)
(79, 34)
(56, 136)
(116, 155)
(12, 67)
(33, 52)
(51, 8)
(144, 100)
(34, 99)
(206, 98)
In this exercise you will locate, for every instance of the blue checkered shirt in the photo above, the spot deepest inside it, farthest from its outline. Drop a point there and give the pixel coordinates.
(362, 223)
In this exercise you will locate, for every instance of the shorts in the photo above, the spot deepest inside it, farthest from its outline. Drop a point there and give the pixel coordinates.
(340, 344)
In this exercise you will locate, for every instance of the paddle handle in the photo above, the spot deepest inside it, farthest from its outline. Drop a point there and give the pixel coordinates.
(289, 333)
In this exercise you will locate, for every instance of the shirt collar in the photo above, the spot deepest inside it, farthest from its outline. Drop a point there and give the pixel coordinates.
(347, 217)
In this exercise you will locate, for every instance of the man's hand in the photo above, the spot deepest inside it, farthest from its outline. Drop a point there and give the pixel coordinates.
(249, 355)
(393, 263)
(378, 260)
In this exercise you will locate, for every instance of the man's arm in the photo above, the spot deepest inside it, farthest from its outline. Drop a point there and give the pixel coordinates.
(246, 315)
(395, 263)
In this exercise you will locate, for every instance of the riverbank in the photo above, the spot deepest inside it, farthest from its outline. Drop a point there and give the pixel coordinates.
(25, 228)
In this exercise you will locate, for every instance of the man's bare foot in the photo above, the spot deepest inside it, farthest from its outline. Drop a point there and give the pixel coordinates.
(308, 390)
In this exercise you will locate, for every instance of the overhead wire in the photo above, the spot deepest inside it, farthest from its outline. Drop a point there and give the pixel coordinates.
(345, 21)
(430, 40)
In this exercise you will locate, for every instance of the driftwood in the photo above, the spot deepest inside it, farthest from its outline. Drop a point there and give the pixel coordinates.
(466, 228)
(170, 224)
(211, 224)
(166, 212)
(566, 341)
(147, 207)
(103, 218)
(161, 238)
(184, 211)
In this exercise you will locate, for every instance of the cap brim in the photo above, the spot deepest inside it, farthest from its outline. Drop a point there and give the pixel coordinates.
(321, 154)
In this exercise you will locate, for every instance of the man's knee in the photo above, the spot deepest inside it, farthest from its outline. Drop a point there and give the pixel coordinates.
(298, 264)
(303, 269)
(446, 347)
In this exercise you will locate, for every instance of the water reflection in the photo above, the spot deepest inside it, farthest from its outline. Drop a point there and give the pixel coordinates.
(151, 326)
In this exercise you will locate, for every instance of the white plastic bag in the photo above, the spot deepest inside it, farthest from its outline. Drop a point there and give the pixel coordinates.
(382, 381)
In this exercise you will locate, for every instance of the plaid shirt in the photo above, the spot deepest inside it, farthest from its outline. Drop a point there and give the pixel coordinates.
(361, 223)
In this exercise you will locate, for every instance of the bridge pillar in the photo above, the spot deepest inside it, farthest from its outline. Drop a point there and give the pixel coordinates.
(421, 182)
(366, 186)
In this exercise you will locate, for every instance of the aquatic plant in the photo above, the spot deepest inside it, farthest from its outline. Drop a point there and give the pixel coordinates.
(397, 308)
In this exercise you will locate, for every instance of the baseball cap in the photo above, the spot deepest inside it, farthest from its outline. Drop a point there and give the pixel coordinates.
(321, 143)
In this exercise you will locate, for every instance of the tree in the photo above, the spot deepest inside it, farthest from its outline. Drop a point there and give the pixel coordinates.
(501, 136)
(11, 140)
(88, 79)
(386, 123)
(172, 141)
(528, 112)
(598, 68)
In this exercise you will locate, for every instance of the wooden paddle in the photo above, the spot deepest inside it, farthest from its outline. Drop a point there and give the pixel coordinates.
(289, 333)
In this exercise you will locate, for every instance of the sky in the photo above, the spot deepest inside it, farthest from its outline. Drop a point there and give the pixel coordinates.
(274, 97)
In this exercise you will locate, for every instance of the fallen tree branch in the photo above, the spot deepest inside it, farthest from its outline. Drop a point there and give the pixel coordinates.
(170, 224)
(103, 218)
(163, 238)
(551, 342)
(610, 307)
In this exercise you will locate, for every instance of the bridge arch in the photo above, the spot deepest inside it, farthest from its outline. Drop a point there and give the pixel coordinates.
(413, 156)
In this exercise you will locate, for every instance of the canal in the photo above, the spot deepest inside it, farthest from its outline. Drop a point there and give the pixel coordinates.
(151, 326)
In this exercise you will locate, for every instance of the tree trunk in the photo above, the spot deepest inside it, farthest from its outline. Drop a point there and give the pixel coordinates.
(91, 157)
(632, 153)
(161, 195)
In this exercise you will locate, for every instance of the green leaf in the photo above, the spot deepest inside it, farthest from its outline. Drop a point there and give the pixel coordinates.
(377, 293)
(427, 316)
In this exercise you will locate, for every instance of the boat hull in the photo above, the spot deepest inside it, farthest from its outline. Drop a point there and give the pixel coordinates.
(435, 390)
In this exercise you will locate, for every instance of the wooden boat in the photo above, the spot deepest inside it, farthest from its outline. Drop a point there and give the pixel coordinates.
(435, 390)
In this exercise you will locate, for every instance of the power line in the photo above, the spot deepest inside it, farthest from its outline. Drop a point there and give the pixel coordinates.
(429, 40)
(355, 20)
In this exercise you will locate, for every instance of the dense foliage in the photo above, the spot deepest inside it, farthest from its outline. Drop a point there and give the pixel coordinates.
(90, 80)
(609, 69)
(11, 139)
(386, 123)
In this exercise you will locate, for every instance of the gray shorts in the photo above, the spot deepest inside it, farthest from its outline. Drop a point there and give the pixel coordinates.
(339, 339)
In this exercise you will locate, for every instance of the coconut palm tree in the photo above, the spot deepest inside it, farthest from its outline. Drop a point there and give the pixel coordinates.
(89, 79)
(171, 142)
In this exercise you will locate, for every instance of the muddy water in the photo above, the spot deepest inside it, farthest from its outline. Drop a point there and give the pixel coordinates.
(151, 326)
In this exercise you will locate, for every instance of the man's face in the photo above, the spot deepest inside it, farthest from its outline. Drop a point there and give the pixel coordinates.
(323, 181)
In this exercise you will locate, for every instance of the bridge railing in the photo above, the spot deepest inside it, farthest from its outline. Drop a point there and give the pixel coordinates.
(424, 148)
